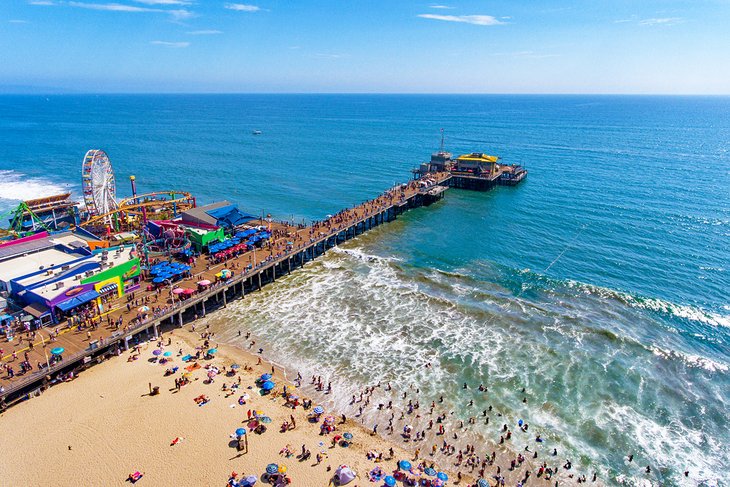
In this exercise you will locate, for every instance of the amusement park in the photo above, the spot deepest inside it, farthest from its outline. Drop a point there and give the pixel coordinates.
(121, 268)
(61, 258)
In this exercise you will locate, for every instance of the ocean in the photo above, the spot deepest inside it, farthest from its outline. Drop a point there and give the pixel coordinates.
(600, 284)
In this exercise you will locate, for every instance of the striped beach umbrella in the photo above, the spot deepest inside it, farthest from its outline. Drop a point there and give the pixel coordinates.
(272, 469)
(318, 410)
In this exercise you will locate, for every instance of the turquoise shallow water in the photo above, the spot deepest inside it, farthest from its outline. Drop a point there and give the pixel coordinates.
(600, 284)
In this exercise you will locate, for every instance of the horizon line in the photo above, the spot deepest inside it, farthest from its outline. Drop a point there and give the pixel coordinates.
(355, 93)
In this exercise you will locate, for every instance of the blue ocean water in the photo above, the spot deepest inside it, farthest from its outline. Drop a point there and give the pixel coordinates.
(600, 284)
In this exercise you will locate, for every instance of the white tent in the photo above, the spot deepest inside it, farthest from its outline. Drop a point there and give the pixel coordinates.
(344, 475)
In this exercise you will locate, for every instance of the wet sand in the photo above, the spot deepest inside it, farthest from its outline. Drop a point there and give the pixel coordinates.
(104, 425)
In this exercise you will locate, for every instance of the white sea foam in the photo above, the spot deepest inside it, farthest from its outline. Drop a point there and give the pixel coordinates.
(687, 312)
(15, 187)
(691, 360)
(358, 319)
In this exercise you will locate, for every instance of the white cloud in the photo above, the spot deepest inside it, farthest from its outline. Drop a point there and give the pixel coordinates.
(210, 32)
(242, 7)
(170, 44)
(325, 55)
(178, 14)
(653, 21)
(41, 2)
(16, 21)
(112, 7)
(466, 19)
(164, 2)
(442, 7)
(662, 21)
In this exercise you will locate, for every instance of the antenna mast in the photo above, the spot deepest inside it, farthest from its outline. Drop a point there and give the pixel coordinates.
(442, 140)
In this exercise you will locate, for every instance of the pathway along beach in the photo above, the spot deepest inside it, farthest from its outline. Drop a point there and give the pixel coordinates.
(104, 425)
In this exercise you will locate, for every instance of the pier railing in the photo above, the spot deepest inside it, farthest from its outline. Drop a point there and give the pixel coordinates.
(176, 308)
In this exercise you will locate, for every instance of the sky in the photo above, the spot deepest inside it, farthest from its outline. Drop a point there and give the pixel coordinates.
(375, 46)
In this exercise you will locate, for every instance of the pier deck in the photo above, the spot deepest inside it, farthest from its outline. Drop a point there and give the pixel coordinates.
(251, 270)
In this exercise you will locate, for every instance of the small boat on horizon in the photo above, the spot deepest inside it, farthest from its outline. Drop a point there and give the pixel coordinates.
(256, 132)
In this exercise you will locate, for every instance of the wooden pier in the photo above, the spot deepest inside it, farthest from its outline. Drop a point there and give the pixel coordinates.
(258, 271)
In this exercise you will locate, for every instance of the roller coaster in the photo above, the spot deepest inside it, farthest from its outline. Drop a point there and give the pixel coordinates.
(131, 212)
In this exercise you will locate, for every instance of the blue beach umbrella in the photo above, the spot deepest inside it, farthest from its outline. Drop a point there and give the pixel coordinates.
(57, 350)
(249, 481)
(442, 476)
(404, 464)
(158, 280)
(318, 410)
(265, 377)
(167, 354)
(430, 472)
(482, 483)
(272, 469)
(240, 431)
(268, 385)
(347, 436)
(212, 351)
(389, 480)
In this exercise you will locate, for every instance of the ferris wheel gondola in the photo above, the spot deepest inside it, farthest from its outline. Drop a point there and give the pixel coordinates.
(98, 184)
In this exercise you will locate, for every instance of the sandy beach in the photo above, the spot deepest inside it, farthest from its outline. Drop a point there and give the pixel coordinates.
(104, 425)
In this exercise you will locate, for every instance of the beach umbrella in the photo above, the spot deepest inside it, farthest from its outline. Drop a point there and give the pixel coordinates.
(143, 309)
(178, 290)
(235, 366)
(272, 469)
(212, 351)
(167, 354)
(282, 468)
(318, 410)
(204, 282)
(265, 377)
(482, 483)
(348, 436)
(240, 431)
(389, 481)
(188, 291)
(430, 472)
(211, 374)
(442, 476)
(156, 352)
(265, 419)
(57, 350)
(404, 464)
(158, 280)
(268, 385)
(250, 481)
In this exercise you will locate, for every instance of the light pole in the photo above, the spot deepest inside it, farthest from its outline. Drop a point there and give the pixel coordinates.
(43, 343)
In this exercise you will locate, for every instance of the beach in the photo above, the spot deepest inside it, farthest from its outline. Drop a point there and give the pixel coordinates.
(104, 425)
(601, 293)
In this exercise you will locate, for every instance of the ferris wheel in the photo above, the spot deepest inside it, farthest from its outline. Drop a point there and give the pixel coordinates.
(98, 184)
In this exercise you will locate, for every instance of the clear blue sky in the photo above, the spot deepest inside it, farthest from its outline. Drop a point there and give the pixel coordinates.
(460, 46)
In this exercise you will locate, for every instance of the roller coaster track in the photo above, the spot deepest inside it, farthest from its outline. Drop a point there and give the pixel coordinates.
(180, 200)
